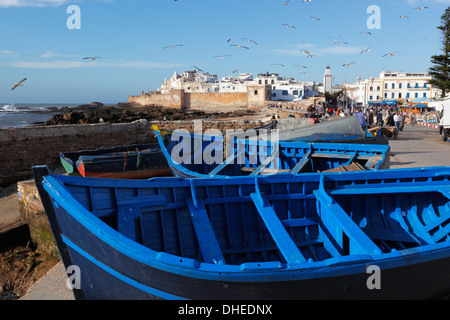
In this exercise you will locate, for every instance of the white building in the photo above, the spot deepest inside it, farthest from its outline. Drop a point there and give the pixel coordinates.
(190, 81)
(393, 87)
(286, 89)
(283, 89)
(327, 81)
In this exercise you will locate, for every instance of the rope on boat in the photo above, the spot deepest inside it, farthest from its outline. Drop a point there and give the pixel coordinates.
(138, 160)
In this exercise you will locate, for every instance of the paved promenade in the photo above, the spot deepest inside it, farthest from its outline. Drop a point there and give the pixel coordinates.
(419, 146)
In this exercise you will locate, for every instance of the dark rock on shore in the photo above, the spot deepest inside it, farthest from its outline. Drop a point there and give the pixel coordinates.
(124, 113)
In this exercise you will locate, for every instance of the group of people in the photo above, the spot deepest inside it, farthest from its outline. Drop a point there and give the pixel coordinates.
(393, 118)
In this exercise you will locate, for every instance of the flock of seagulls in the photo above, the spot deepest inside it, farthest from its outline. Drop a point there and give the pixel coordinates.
(250, 41)
(340, 43)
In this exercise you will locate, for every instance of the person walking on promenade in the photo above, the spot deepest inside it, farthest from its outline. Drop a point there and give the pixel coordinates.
(403, 119)
(379, 118)
(370, 118)
(390, 120)
(361, 118)
(413, 118)
(397, 119)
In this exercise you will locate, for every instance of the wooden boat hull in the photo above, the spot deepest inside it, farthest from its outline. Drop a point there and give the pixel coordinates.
(123, 265)
(141, 161)
(256, 157)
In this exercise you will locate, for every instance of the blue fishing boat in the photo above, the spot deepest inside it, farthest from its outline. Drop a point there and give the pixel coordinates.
(353, 235)
(137, 161)
(197, 155)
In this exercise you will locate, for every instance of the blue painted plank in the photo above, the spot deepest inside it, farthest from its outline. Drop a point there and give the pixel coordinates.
(361, 189)
(279, 234)
(300, 222)
(337, 221)
(207, 240)
(390, 235)
(299, 166)
(352, 158)
(145, 201)
(228, 161)
(266, 162)
(126, 221)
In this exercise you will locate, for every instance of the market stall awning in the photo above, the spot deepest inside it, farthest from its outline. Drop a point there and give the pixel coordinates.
(421, 100)
(390, 102)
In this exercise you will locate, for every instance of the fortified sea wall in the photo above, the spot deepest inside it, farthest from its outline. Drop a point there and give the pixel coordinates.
(256, 96)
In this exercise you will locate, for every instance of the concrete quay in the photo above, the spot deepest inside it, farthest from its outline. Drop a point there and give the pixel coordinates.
(417, 146)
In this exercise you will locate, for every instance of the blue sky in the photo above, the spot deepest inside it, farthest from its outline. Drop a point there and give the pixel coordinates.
(130, 36)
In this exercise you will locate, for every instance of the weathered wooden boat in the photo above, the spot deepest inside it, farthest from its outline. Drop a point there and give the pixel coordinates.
(138, 161)
(197, 155)
(356, 235)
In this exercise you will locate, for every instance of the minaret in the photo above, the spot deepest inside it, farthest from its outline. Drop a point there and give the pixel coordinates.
(327, 80)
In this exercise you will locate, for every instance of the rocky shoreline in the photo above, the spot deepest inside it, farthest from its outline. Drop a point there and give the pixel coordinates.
(126, 112)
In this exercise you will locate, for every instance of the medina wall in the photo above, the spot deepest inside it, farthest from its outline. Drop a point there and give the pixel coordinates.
(255, 97)
(216, 101)
(173, 100)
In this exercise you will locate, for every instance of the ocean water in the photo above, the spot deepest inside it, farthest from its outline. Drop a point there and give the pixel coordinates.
(22, 115)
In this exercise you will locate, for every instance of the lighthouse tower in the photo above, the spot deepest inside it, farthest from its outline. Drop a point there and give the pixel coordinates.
(327, 80)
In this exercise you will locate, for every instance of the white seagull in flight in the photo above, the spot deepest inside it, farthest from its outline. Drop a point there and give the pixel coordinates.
(367, 50)
(18, 84)
(239, 46)
(221, 57)
(173, 46)
(308, 53)
(249, 40)
(390, 54)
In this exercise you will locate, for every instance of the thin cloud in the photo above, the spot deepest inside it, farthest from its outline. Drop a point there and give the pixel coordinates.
(69, 64)
(5, 52)
(51, 54)
(30, 3)
(339, 50)
(324, 51)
